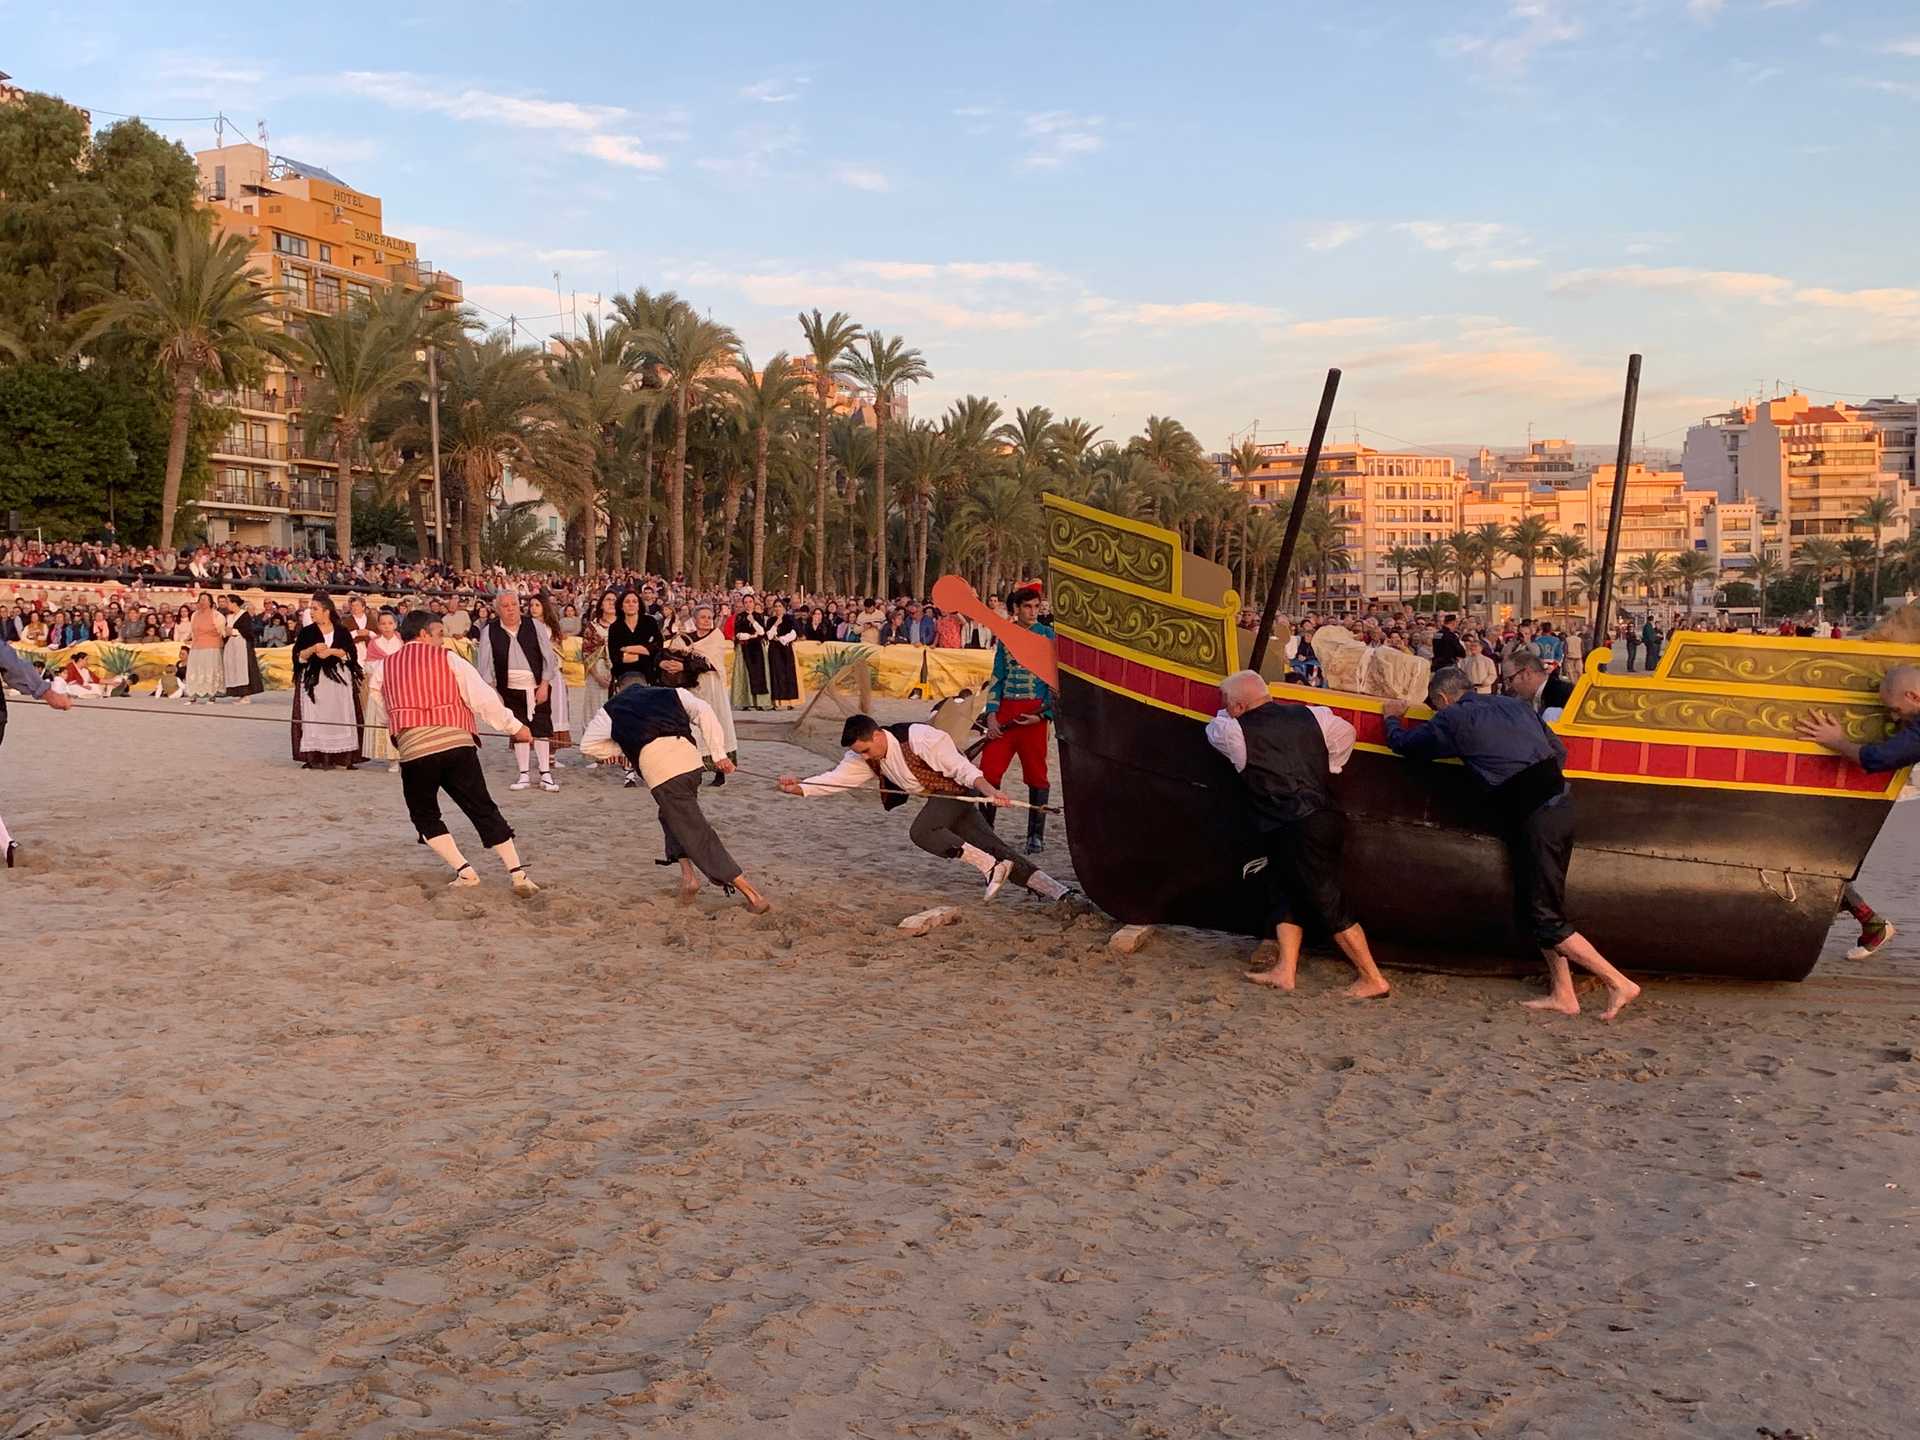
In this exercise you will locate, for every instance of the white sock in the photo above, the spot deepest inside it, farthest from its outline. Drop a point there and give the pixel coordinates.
(543, 752)
(978, 858)
(6, 835)
(520, 751)
(443, 846)
(1045, 886)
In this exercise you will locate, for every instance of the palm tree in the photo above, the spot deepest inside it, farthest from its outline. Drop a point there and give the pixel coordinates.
(1648, 569)
(828, 340)
(1265, 533)
(1587, 576)
(1858, 550)
(498, 410)
(1526, 539)
(1489, 547)
(998, 522)
(514, 540)
(1072, 439)
(1462, 558)
(1401, 559)
(1566, 549)
(923, 457)
(1820, 556)
(192, 298)
(1761, 574)
(361, 356)
(882, 371)
(689, 346)
(766, 400)
(1690, 567)
(1029, 437)
(855, 455)
(1876, 515)
(593, 384)
(641, 316)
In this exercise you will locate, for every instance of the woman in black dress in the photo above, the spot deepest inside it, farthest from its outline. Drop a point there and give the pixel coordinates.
(633, 641)
(782, 673)
(750, 690)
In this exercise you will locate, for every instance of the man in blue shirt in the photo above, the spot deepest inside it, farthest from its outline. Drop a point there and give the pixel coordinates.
(1900, 693)
(1509, 751)
(16, 672)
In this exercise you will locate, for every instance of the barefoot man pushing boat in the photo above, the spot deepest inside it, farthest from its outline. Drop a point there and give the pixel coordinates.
(1284, 754)
(1507, 748)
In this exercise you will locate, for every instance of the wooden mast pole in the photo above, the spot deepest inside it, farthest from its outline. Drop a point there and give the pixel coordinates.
(1294, 519)
(1604, 607)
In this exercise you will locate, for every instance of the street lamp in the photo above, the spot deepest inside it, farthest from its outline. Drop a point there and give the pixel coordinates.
(433, 442)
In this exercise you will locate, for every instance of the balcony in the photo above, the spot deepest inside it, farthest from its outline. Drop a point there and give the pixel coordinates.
(266, 400)
(257, 494)
(319, 496)
(247, 448)
(421, 273)
(324, 448)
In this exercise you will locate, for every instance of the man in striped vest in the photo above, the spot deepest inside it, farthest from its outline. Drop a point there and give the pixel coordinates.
(432, 698)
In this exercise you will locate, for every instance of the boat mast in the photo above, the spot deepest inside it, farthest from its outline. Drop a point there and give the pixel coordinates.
(1618, 508)
(1294, 518)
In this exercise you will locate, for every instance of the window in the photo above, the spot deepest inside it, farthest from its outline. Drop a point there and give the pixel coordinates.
(326, 253)
(219, 182)
(300, 282)
(289, 244)
(358, 291)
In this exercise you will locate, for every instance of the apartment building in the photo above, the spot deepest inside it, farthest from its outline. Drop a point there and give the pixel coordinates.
(1383, 499)
(1898, 422)
(1817, 465)
(276, 473)
(1546, 462)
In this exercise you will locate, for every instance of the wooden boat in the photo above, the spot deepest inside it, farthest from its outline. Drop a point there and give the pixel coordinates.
(1710, 840)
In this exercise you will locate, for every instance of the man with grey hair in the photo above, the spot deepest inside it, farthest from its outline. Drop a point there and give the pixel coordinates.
(1528, 680)
(1900, 693)
(1284, 753)
(1506, 747)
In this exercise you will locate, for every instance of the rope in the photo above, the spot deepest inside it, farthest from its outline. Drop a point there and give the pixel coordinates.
(190, 711)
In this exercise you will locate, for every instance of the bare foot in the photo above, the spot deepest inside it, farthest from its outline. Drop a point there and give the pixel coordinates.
(757, 904)
(1368, 989)
(1568, 1006)
(1621, 998)
(689, 882)
(1269, 977)
(1265, 956)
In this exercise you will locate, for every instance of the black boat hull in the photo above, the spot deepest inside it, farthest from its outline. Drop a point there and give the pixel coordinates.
(1159, 834)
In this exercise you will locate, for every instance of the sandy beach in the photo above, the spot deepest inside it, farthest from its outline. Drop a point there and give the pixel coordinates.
(296, 1142)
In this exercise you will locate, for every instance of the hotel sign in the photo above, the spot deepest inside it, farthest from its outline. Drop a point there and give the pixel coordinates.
(382, 242)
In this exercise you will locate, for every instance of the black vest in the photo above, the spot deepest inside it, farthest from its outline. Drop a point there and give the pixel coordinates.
(1286, 772)
(642, 714)
(529, 639)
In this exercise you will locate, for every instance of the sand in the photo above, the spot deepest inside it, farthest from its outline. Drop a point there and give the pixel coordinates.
(294, 1142)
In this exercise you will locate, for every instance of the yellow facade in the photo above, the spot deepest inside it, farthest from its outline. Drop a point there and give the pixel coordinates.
(325, 243)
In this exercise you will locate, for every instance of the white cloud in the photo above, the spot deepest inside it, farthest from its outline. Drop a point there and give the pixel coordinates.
(1474, 244)
(792, 290)
(1877, 301)
(860, 178)
(1015, 271)
(1054, 137)
(596, 129)
(1335, 233)
(1533, 26)
(777, 91)
(1907, 90)
(520, 300)
(1342, 327)
(1109, 314)
(1731, 284)
(1909, 47)
(571, 257)
(330, 152)
(1705, 10)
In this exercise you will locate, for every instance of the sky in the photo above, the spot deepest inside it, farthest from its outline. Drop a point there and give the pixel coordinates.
(1475, 208)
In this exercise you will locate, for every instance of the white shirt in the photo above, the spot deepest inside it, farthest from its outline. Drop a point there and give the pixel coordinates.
(481, 698)
(1226, 736)
(936, 747)
(669, 756)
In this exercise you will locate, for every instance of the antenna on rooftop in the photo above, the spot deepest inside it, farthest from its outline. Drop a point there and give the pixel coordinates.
(261, 130)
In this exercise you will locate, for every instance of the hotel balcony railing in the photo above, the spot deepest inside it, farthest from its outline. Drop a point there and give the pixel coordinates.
(264, 494)
(422, 273)
(315, 447)
(319, 495)
(248, 400)
(324, 302)
(248, 448)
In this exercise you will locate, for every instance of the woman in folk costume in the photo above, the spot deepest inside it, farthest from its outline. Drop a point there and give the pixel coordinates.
(514, 655)
(749, 691)
(386, 642)
(326, 690)
(783, 672)
(594, 630)
(546, 614)
(239, 659)
(711, 645)
(206, 635)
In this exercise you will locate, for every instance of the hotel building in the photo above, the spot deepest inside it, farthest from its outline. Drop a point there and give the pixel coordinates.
(275, 475)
